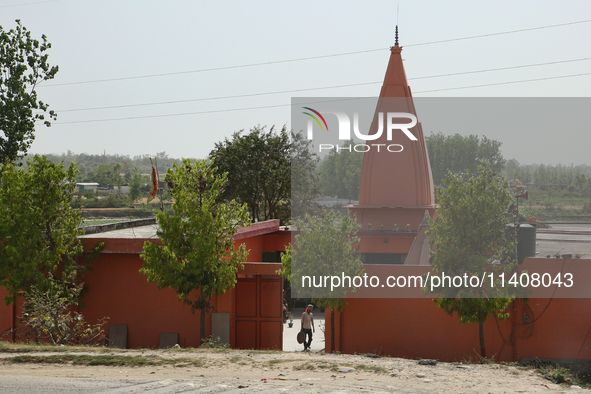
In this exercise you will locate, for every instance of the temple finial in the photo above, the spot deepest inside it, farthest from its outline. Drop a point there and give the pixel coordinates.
(396, 42)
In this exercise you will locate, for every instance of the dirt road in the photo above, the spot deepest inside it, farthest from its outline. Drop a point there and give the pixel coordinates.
(242, 371)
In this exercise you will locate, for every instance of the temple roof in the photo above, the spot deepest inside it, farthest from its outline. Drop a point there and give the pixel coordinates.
(390, 179)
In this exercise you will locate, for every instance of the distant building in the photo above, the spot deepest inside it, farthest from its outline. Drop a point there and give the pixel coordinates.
(85, 187)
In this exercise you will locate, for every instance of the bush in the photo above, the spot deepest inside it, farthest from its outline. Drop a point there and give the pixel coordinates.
(214, 343)
(49, 317)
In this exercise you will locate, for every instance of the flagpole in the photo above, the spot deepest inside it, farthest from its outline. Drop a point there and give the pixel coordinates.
(158, 181)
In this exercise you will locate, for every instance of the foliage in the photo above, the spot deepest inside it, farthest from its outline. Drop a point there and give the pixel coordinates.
(340, 173)
(214, 343)
(575, 178)
(197, 251)
(135, 184)
(304, 178)
(326, 245)
(557, 374)
(38, 226)
(258, 166)
(106, 175)
(469, 236)
(23, 65)
(48, 314)
(92, 200)
(459, 153)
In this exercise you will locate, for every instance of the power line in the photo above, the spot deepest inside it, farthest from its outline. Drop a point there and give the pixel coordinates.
(311, 89)
(287, 105)
(504, 83)
(308, 58)
(498, 34)
(36, 2)
(218, 98)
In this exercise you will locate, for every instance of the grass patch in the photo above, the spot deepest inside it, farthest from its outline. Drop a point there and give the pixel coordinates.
(106, 360)
(271, 363)
(557, 375)
(6, 347)
(265, 351)
(312, 366)
(370, 368)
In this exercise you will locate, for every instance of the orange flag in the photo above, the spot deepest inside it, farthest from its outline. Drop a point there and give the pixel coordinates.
(154, 181)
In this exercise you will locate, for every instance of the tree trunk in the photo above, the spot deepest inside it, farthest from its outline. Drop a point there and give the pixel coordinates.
(332, 330)
(481, 334)
(202, 327)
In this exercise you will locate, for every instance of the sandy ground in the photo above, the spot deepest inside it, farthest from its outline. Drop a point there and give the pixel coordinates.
(302, 372)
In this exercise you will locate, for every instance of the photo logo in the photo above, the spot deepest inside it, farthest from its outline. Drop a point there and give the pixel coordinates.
(345, 129)
(315, 118)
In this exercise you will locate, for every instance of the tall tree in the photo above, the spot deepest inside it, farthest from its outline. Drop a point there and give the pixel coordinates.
(135, 184)
(23, 65)
(340, 173)
(197, 257)
(304, 177)
(259, 168)
(38, 226)
(326, 245)
(470, 238)
(457, 153)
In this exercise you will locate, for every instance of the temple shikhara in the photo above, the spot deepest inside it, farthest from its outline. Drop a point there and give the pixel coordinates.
(396, 198)
(396, 189)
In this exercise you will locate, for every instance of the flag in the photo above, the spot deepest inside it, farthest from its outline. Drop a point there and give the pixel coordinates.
(154, 181)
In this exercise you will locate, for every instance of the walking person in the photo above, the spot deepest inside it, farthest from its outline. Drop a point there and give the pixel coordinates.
(308, 326)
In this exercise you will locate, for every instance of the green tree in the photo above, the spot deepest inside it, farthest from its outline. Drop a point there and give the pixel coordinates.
(470, 238)
(23, 65)
(135, 184)
(326, 245)
(38, 226)
(457, 153)
(197, 257)
(340, 173)
(259, 171)
(304, 178)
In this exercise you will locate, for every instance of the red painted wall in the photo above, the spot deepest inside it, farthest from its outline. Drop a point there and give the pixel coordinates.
(417, 328)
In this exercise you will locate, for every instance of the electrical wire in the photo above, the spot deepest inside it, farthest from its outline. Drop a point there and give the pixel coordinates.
(287, 105)
(311, 89)
(36, 2)
(310, 57)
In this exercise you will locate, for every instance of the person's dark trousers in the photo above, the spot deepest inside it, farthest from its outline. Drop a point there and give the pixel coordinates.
(308, 332)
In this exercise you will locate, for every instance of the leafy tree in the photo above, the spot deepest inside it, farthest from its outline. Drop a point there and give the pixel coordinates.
(469, 236)
(259, 167)
(304, 178)
(197, 257)
(340, 173)
(135, 184)
(23, 65)
(326, 245)
(38, 226)
(457, 153)
(107, 175)
(258, 170)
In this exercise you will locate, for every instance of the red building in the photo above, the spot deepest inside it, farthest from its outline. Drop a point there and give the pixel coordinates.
(249, 316)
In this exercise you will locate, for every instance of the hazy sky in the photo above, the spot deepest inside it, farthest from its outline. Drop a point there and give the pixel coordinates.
(125, 40)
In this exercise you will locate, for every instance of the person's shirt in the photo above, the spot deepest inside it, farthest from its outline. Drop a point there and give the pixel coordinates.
(307, 320)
